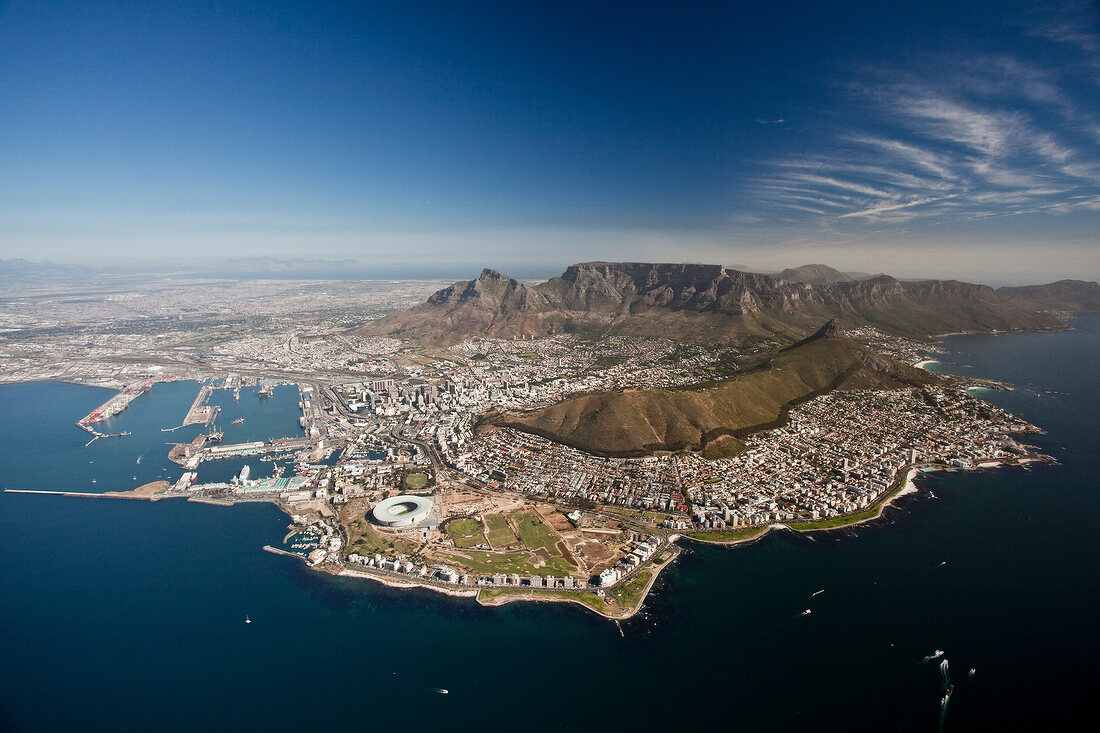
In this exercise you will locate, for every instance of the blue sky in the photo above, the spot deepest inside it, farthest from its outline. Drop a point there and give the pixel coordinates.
(921, 139)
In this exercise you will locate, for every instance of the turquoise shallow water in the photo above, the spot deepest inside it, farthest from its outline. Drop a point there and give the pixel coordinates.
(129, 615)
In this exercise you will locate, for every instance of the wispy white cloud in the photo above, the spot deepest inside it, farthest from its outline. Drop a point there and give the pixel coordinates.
(877, 210)
(924, 159)
(996, 137)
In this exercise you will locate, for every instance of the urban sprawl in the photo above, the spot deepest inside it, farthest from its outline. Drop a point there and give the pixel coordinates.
(553, 518)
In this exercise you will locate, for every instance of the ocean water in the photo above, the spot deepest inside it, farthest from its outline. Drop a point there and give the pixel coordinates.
(127, 615)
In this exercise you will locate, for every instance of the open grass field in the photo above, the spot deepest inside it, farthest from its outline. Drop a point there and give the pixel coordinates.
(629, 594)
(487, 563)
(499, 533)
(535, 533)
(466, 533)
(647, 516)
(364, 539)
(415, 481)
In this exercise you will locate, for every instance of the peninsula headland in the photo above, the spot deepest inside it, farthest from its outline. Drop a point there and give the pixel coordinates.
(554, 441)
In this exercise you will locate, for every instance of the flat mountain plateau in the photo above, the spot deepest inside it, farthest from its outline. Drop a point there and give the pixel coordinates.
(711, 304)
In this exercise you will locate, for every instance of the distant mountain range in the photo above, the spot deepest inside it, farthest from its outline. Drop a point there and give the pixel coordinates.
(1064, 295)
(715, 304)
(712, 420)
(818, 275)
(20, 270)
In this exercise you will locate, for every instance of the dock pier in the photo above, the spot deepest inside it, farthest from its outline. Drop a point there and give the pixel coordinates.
(200, 412)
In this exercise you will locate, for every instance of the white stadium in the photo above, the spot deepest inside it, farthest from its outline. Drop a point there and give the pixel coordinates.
(403, 511)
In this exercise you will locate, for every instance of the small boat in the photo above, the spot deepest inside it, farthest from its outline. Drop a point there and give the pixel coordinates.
(807, 612)
(93, 481)
(441, 691)
(139, 460)
(817, 592)
(238, 421)
(247, 620)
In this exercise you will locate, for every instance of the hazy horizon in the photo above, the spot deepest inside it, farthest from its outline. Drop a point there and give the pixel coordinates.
(351, 269)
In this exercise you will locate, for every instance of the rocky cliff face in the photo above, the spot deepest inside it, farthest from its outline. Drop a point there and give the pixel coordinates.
(704, 303)
(678, 287)
(491, 291)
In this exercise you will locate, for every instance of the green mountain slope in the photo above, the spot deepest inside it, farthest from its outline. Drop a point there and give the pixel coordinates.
(640, 422)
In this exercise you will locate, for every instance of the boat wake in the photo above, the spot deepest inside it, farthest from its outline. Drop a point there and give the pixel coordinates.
(948, 690)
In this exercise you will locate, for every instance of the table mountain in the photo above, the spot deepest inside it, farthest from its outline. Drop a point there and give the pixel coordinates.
(701, 303)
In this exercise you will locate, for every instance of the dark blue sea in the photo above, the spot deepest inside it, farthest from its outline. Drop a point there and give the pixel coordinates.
(129, 615)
